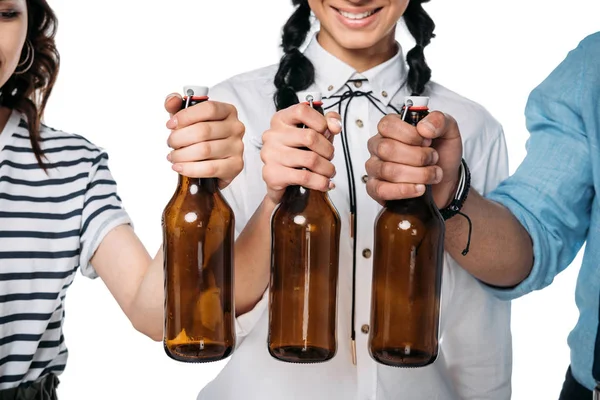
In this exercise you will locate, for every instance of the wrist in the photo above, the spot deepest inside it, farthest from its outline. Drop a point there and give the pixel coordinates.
(269, 204)
(459, 192)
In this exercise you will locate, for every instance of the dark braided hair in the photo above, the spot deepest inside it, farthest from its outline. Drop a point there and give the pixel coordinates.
(421, 27)
(296, 72)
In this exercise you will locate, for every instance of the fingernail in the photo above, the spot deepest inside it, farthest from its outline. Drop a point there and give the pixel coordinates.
(428, 125)
(331, 185)
(172, 124)
(177, 167)
(169, 157)
(335, 121)
(420, 188)
(327, 134)
(434, 157)
(169, 97)
(426, 142)
(334, 173)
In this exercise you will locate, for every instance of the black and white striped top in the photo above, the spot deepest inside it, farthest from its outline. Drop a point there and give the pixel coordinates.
(50, 225)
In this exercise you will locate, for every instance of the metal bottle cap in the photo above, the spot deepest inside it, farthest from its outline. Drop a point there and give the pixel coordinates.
(195, 91)
(416, 101)
(307, 97)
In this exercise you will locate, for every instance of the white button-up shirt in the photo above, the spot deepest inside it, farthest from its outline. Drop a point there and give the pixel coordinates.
(475, 354)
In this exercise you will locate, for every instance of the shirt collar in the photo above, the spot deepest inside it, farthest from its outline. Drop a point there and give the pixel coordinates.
(331, 74)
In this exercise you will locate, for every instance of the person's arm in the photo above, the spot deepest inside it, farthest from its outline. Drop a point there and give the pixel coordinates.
(111, 249)
(549, 197)
(476, 336)
(532, 226)
(283, 162)
(404, 159)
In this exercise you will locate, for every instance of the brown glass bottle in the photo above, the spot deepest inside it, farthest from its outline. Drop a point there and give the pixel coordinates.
(304, 273)
(198, 239)
(407, 274)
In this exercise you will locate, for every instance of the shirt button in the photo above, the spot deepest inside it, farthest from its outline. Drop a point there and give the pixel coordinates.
(367, 253)
(384, 93)
(357, 84)
(360, 123)
(364, 329)
(330, 88)
(365, 178)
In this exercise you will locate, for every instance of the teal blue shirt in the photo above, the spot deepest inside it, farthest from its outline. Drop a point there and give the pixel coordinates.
(553, 192)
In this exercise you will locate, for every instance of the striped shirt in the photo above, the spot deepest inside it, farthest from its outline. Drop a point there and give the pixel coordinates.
(50, 225)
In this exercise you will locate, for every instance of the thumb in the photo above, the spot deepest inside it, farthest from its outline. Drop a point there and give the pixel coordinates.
(334, 124)
(173, 103)
(438, 125)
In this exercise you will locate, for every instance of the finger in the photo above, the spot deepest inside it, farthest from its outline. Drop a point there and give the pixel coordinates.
(210, 150)
(398, 152)
(173, 103)
(300, 114)
(399, 173)
(205, 111)
(381, 190)
(225, 169)
(392, 127)
(279, 177)
(204, 131)
(438, 124)
(334, 125)
(296, 158)
(298, 138)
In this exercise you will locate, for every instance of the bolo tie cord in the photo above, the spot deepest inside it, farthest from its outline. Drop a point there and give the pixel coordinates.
(347, 98)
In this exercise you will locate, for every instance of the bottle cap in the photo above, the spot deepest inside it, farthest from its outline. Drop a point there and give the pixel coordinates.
(307, 97)
(195, 91)
(416, 101)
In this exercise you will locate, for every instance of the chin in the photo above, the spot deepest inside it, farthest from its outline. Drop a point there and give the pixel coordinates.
(357, 40)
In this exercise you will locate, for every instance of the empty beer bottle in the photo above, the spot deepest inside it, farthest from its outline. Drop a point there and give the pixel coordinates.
(407, 274)
(198, 239)
(304, 272)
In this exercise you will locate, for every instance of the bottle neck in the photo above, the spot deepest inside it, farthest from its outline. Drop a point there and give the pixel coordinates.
(317, 105)
(299, 192)
(426, 197)
(193, 185)
(413, 116)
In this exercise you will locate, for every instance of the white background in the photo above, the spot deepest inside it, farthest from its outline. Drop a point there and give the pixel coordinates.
(121, 58)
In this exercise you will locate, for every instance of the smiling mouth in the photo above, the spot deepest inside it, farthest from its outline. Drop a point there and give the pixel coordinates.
(358, 16)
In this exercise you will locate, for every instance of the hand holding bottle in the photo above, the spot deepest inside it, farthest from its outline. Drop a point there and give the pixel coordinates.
(405, 158)
(206, 140)
(285, 158)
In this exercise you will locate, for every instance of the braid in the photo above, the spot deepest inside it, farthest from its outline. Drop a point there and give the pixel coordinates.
(421, 27)
(296, 72)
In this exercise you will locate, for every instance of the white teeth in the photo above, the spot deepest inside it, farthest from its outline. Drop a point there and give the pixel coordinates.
(356, 16)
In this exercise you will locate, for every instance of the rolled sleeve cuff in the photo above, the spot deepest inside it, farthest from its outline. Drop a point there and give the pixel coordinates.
(117, 218)
(536, 278)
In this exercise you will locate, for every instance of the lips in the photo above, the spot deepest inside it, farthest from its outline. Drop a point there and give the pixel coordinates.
(357, 16)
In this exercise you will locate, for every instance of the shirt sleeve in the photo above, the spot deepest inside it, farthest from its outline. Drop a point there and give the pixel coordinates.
(102, 211)
(476, 338)
(551, 192)
(244, 194)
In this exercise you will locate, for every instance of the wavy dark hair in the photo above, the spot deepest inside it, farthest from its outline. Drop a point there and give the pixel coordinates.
(33, 88)
(296, 72)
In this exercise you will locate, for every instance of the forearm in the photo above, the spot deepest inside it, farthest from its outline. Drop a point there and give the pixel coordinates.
(501, 251)
(252, 258)
(148, 304)
(252, 261)
(134, 279)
